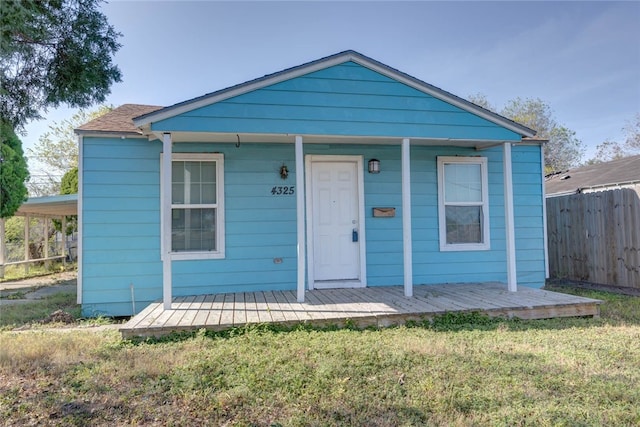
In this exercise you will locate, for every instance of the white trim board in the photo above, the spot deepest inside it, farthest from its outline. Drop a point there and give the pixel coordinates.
(80, 219)
(486, 222)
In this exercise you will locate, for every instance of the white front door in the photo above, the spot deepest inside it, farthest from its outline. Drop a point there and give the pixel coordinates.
(335, 217)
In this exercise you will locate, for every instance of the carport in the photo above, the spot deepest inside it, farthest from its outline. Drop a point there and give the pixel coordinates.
(45, 209)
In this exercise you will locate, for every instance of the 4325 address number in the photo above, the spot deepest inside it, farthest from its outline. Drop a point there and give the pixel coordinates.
(283, 191)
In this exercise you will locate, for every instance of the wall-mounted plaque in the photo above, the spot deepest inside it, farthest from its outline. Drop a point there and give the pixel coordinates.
(384, 212)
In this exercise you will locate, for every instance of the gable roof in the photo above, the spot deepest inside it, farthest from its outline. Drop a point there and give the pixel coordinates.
(145, 120)
(606, 174)
(119, 120)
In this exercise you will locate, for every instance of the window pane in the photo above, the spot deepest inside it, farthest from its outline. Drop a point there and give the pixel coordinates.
(208, 172)
(177, 172)
(193, 230)
(462, 182)
(208, 190)
(464, 224)
(192, 171)
(177, 193)
(194, 182)
(209, 193)
(194, 193)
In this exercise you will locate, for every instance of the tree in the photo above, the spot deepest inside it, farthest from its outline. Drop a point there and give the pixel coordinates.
(57, 151)
(13, 171)
(563, 150)
(480, 99)
(54, 52)
(607, 151)
(613, 150)
(632, 130)
(69, 185)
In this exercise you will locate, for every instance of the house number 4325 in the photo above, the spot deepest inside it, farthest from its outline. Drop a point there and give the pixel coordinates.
(282, 191)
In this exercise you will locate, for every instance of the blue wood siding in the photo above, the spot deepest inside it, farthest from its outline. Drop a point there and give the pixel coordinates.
(346, 99)
(121, 194)
(527, 195)
(121, 232)
(121, 238)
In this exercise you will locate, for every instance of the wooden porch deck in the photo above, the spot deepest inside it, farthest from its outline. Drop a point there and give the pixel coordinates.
(374, 306)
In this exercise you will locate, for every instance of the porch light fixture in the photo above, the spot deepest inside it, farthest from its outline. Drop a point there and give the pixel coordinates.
(374, 166)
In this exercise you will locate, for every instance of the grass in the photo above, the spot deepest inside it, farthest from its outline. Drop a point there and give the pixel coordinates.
(12, 316)
(461, 370)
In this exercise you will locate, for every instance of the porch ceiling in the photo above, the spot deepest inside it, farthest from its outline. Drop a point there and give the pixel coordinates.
(233, 138)
(50, 206)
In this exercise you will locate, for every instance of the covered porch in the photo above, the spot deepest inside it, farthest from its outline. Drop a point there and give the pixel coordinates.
(379, 306)
(304, 246)
(45, 209)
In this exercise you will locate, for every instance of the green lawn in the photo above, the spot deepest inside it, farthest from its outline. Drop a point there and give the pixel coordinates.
(461, 370)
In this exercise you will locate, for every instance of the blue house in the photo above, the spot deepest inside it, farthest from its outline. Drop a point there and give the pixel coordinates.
(342, 172)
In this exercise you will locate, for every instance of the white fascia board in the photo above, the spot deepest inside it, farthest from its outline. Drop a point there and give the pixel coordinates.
(146, 120)
(106, 134)
(226, 137)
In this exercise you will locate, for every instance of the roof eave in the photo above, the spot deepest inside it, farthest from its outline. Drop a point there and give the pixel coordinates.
(125, 134)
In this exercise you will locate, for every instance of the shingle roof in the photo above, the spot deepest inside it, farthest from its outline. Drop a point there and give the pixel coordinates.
(599, 175)
(118, 120)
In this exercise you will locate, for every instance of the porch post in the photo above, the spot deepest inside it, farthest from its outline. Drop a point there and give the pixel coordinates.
(63, 219)
(166, 223)
(509, 223)
(406, 218)
(45, 226)
(3, 248)
(27, 221)
(300, 218)
(544, 217)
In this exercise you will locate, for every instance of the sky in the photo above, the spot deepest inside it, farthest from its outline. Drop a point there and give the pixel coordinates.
(581, 58)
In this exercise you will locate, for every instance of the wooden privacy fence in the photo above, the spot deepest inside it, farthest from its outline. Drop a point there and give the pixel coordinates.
(595, 237)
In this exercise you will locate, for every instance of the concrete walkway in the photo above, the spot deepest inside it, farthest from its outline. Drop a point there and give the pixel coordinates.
(38, 287)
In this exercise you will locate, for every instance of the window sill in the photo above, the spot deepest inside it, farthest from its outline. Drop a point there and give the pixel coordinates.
(465, 247)
(179, 256)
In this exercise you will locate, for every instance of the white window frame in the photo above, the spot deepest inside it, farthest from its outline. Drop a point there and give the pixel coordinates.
(218, 158)
(442, 221)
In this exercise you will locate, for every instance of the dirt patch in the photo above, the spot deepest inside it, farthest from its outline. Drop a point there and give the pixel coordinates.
(59, 316)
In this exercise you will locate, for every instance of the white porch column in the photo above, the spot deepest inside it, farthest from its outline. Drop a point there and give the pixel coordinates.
(27, 224)
(509, 223)
(406, 218)
(300, 218)
(63, 219)
(79, 244)
(3, 248)
(166, 223)
(45, 226)
(544, 217)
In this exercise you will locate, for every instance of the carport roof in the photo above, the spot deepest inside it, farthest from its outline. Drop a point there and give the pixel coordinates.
(50, 206)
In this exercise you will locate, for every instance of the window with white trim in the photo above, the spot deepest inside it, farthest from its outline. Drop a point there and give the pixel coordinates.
(463, 203)
(197, 214)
